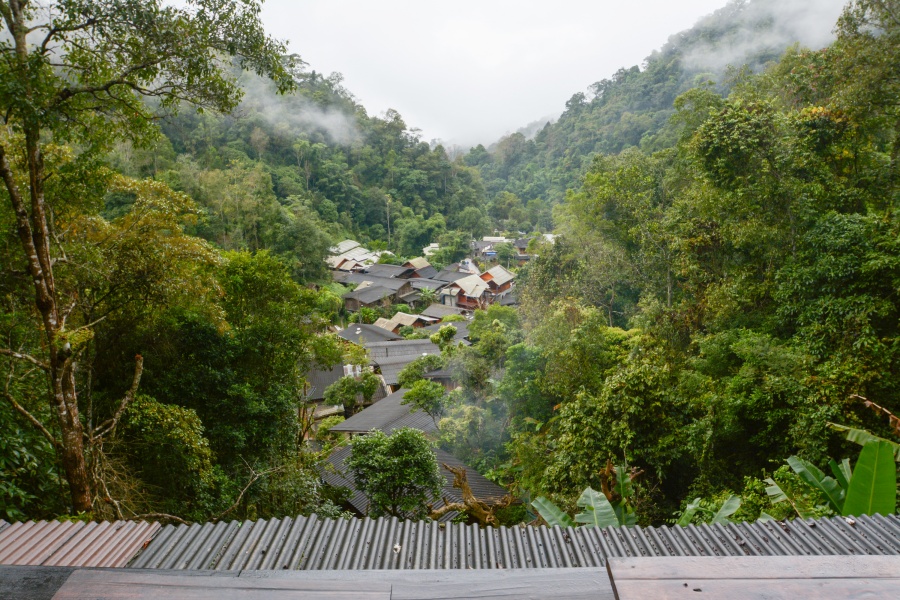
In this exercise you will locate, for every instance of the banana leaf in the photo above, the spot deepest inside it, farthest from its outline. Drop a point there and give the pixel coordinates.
(873, 487)
(728, 508)
(863, 437)
(552, 513)
(813, 477)
(688, 515)
(598, 510)
(842, 472)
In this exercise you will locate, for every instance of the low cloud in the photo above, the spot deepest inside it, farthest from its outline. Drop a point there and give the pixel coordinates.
(762, 29)
(299, 114)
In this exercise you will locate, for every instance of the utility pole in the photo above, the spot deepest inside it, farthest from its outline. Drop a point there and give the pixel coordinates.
(387, 208)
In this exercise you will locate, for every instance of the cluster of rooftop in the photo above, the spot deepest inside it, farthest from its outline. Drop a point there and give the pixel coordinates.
(460, 285)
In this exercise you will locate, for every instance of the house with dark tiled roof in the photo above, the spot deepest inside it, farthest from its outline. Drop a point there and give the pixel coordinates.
(360, 333)
(338, 475)
(387, 415)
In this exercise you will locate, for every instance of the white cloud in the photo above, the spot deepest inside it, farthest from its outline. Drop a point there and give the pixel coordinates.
(469, 71)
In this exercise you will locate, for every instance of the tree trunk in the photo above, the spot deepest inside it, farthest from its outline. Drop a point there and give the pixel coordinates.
(34, 236)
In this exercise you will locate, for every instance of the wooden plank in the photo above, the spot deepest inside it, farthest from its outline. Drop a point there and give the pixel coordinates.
(757, 589)
(32, 582)
(449, 584)
(573, 584)
(749, 567)
(106, 585)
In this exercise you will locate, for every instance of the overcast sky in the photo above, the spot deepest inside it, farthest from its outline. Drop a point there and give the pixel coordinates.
(466, 71)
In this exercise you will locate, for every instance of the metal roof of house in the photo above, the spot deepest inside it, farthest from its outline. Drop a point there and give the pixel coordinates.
(387, 415)
(408, 320)
(510, 299)
(418, 263)
(499, 275)
(482, 488)
(344, 246)
(391, 366)
(319, 380)
(370, 294)
(442, 310)
(431, 284)
(356, 331)
(472, 285)
(449, 275)
(391, 283)
(408, 348)
(426, 272)
(354, 544)
(384, 270)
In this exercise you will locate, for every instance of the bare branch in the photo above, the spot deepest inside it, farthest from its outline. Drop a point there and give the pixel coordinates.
(31, 418)
(109, 425)
(480, 509)
(25, 357)
(161, 516)
(253, 479)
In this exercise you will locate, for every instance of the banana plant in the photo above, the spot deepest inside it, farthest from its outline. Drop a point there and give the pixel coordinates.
(863, 437)
(728, 508)
(597, 510)
(869, 488)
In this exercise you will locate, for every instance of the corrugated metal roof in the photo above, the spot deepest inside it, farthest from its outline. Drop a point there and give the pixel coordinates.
(318, 381)
(499, 275)
(384, 270)
(391, 367)
(74, 544)
(355, 331)
(387, 415)
(368, 295)
(431, 284)
(380, 350)
(442, 310)
(390, 283)
(449, 276)
(390, 543)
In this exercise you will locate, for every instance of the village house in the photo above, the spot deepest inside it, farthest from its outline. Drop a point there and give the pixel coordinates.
(470, 292)
(499, 280)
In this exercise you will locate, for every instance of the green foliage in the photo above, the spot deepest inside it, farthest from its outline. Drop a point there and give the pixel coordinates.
(169, 452)
(873, 486)
(721, 515)
(427, 396)
(399, 473)
(863, 437)
(869, 488)
(552, 514)
(597, 510)
(352, 391)
(416, 369)
(29, 482)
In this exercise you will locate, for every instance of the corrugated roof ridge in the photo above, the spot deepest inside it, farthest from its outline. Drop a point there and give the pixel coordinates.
(390, 543)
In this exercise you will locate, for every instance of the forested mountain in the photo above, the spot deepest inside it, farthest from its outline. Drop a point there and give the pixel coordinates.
(633, 107)
(722, 294)
(295, 173)
(718, 306)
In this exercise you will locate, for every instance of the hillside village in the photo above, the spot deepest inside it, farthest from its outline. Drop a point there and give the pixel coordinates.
(398, 312)
(252, 330)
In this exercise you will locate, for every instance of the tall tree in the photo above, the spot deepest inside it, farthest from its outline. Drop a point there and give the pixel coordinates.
(78, 71)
